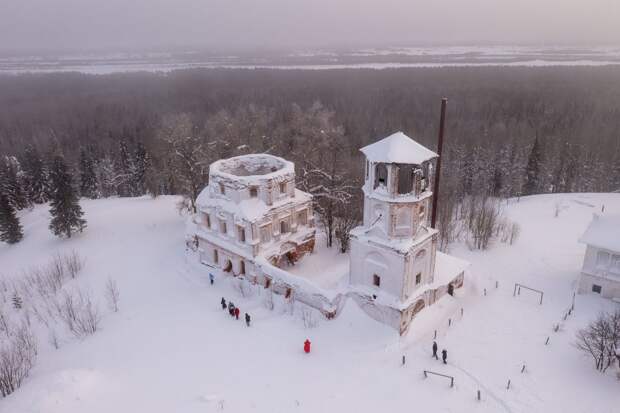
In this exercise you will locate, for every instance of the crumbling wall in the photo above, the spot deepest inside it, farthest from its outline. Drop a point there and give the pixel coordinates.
(381, 313)
(297, 253)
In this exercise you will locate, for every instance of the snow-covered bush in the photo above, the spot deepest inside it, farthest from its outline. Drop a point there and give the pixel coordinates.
(17, 357)
(509, 232)
(309, 317)
(477, 220)
(79, 313)
(112, 294)
(73, 263)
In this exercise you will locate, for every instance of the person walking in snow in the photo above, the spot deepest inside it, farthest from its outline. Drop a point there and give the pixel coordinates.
(444, 355)
(231, 308)
(211, 278)
(237, 313)
(435, 350)
(223, 302)
(247, 319)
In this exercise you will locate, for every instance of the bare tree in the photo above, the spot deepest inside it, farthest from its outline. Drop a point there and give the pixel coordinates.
(188, 152)
(484, 214)
(347, 218)
(325, 171)
(601, 339)
(112, 294)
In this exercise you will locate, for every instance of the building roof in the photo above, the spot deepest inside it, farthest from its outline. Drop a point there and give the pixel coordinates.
(398, 148)
(603, 232)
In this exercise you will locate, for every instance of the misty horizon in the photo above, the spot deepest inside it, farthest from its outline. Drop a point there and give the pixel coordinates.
(216, 26)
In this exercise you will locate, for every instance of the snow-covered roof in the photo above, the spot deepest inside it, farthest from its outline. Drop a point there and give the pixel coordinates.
(398, 148)
(603, 232)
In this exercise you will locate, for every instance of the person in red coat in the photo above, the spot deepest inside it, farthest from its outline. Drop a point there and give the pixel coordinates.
(237, 313)
(307, 346)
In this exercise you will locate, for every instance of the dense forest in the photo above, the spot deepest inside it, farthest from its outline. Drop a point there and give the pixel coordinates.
(509, 131)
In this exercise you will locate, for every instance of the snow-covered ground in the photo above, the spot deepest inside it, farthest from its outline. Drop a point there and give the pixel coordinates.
(325, 267)
(171, 348)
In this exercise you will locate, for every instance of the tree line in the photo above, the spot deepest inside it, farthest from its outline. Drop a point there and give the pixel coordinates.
(510, 131)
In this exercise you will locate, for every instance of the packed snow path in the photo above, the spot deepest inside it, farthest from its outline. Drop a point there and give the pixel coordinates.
(172, 348)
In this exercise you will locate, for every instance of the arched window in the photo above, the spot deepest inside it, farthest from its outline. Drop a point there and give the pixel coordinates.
(420, 255)
(283, 227)
(381, 175)
(602, 260)
(405, 179)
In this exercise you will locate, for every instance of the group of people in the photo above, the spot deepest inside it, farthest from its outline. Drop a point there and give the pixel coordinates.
(444, 353)
(234, 311)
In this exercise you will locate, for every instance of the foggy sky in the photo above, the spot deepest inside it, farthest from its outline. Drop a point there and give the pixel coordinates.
(38, 25)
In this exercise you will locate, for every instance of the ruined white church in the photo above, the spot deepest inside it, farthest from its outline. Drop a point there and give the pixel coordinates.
(253, 223)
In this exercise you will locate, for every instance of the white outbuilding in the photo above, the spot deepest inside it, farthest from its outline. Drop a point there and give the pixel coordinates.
(601, 266)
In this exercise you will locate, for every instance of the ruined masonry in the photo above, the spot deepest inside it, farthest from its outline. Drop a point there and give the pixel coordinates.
(253, 223)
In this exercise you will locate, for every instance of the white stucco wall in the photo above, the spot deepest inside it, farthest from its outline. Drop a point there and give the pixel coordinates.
(606, 274)
(367, 260)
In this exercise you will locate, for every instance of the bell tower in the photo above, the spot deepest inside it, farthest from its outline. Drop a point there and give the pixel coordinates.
(393, 252)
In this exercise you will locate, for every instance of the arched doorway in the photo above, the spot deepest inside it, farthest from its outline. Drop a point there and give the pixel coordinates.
(417, 308)
(227, 266)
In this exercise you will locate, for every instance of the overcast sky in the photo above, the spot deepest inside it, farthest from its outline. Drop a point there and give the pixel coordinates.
(27, 25)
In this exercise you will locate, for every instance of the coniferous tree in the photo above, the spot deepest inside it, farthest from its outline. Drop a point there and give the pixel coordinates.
(35, 176)
(88, 177)
(106, 182)
(123, 170)
(139, 167)
(10, 229)
(64, 201)
(11, 183)
(532, 171)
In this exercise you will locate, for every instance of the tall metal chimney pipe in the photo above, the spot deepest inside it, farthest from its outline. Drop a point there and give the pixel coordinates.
(444, 102)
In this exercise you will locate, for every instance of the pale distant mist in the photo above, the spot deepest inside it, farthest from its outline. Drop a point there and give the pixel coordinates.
(41, 25)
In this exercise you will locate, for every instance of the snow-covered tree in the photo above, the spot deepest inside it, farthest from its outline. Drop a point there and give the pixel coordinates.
(10, 228)
(347, 217)
(64, 201)
(35, 176)
(188, 153)
(106, 177)
(601, 339)
(614, 177)
(122, 166)
(324, 171)
(88, 177)
(138, 170)
(11, 182)
(532, 183)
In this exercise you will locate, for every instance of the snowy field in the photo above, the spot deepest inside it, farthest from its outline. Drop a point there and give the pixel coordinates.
(171, 348)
